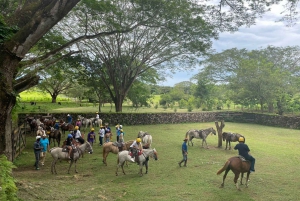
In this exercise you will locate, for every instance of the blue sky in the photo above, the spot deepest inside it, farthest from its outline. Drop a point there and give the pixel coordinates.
(266, 32)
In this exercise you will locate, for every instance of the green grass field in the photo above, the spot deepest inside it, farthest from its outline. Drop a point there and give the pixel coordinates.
(277, 165)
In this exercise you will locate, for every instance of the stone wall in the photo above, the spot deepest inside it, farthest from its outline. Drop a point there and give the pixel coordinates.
(176, 118)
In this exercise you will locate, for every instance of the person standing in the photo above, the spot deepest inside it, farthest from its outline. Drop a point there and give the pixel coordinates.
(118, 129)
(121, 136)
(184, 153)
(101, 135)
(108, 134)
(69, 119)
(45, 144)
(37, 151)
(91, 136)
(244, 151)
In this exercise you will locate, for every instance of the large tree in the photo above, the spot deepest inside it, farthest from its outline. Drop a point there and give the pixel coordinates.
(24, 23)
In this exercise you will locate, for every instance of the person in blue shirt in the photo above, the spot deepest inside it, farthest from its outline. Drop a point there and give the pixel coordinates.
(56, 125)
(244, 151)
(45, 144)
(69, 119)
(184, 153)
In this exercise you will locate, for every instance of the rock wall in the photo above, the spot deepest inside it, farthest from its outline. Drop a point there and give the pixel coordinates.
(176, 118)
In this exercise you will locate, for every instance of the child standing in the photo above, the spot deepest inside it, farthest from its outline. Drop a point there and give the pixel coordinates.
(91, 136)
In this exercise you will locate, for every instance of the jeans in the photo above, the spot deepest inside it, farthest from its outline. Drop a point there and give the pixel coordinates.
(37, 158)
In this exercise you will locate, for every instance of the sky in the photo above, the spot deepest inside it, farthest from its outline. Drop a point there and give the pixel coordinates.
(266, 32)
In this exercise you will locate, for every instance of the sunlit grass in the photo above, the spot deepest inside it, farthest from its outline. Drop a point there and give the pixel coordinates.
(277, 165)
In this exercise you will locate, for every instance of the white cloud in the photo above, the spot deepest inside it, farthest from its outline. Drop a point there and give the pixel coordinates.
(266, 32)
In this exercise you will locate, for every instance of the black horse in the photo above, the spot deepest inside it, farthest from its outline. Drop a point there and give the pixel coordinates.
(231, 137)
(55, 135)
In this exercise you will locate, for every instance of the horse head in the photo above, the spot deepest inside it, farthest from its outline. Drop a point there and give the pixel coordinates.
(213, 131)
(155, 154)
(89, 147)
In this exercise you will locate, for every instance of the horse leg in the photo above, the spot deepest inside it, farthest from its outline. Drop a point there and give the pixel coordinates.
(123, 167)
(141, 169)
(248, 174)
(224, 177)
(229, 142)
(70, 166)
(242, 175)
(146, 165)
(53, 166)
(75, 163)
(236, 177)
(104, 158)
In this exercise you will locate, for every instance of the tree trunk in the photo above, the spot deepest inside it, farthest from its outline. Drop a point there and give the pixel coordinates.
(220, 131)
(54, 97)
(7, 102)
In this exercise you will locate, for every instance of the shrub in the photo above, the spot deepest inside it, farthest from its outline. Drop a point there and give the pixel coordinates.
(8, 189)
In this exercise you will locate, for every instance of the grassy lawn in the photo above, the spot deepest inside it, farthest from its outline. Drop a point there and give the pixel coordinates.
(277, 165)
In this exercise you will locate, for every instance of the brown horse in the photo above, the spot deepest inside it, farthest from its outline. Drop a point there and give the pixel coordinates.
(66, 127)
(112, 147)
(238, 166)
(54, 135)
(231, 137)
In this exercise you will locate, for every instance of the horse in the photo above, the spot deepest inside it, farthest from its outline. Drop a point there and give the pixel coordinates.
(97, 122)
(124, 156)
(54, 135)
(57, 153)
(113, 148)
(66, 127)
(146, 138)
(86, 122)
(200, 134)
(231, 137)
(32, 123)
(238, 166)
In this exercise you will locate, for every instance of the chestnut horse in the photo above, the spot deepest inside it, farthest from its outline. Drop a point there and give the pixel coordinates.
(113, 148)
(238, 165)
(66, 127)
(231, 137)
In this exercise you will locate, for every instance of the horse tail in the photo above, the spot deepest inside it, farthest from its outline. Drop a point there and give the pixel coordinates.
(224, 167)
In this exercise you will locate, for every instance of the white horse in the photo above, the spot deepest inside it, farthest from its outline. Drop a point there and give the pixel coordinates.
(200, 134)
(124, 156)
(97, 122)
(146, 138)
(85, 122)
(57, 154)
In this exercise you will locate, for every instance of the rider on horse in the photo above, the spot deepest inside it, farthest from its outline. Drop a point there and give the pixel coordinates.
(56, 125)
(244, 151)
(135, 148)
(69, 144)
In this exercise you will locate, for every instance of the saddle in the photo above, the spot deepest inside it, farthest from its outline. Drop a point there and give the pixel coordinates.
(242, 158)
(65, 149)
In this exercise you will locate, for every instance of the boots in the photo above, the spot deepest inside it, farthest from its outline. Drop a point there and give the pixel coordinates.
(185, 163)
(180, 163)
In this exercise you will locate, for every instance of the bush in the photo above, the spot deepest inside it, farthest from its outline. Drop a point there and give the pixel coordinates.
(8, 189)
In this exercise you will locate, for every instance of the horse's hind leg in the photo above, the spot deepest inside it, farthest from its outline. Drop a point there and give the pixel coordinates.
(224, 177)
(229, 145)
(70, 166)
(242, 176)
(236, 177)
(122, 165)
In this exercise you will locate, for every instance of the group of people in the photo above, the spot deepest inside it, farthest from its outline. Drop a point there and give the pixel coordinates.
(40, 147)
(243, 150)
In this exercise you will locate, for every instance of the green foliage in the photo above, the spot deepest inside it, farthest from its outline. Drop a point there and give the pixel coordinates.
(182, 103)
(6, 31)
(8, 189)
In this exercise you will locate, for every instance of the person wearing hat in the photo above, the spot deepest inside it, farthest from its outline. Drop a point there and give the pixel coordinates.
(108, 134)
(136, 148)
(37, 151)
(69, 119)
(69, 144)
(91, 136)
(101, 135)
(184, 153)
(77, 135)
(118, 129)
(45, 144)
(244, 151)
(121, 136)
(56, 125)
(78, 123)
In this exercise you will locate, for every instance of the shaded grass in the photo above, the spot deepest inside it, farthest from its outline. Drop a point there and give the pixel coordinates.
(276, 178)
